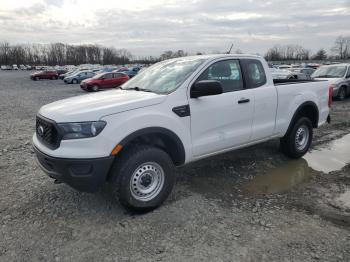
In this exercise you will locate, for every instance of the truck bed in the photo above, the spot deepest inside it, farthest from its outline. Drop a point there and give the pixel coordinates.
(279, 82)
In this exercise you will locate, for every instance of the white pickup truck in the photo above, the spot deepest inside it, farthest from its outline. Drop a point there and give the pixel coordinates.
(173, 113)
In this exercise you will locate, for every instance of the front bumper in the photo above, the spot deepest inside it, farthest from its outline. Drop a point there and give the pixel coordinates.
(85, 175)
(84, 86)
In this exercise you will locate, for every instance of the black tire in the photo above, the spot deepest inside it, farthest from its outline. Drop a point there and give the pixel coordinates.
(290, 144)
(95, 88)
(74, 81)
(36, 78)
(129, 165)
(342, 93)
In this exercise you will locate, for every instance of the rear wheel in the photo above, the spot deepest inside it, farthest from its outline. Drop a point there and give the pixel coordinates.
(143, 177)
(297, 141)
(342, 93)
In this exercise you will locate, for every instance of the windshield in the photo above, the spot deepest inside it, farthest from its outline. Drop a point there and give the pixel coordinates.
(329, 72)
(164, 77)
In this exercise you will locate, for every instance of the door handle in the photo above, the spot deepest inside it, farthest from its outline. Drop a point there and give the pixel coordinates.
(243, 100)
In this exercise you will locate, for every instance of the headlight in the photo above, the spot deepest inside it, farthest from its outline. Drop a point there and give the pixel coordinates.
(81, 130)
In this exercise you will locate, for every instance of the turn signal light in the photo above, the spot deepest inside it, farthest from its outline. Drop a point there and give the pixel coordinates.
(116, 149)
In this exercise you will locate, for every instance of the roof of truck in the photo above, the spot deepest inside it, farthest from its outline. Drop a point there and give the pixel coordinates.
(215, 56)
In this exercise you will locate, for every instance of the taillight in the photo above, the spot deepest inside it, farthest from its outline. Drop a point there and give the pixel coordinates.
(330, 95)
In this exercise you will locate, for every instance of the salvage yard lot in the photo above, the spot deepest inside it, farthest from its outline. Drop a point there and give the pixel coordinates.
(249, 205)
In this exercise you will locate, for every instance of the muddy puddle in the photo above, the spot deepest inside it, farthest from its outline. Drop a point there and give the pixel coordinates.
(289, 175)
(333, 157)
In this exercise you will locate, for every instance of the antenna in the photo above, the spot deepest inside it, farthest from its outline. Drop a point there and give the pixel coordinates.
(229, 51)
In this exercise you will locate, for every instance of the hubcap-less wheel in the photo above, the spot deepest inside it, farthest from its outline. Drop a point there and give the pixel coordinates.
(302, 137)
(147, 181)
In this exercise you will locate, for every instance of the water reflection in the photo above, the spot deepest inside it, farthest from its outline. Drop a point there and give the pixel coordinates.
(332, 157)
(280, 179)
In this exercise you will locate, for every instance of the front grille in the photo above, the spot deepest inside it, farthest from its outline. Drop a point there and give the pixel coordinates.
(47, 132)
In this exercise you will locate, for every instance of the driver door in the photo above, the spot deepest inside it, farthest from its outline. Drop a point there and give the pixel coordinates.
(222, 121)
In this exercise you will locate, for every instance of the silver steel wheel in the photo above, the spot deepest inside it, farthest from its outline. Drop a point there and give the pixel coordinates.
(302, 137)
(95, 88)
(147, 181)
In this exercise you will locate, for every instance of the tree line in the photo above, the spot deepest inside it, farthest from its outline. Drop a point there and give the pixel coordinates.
(66, 54)
(61, 54)
(339, 51)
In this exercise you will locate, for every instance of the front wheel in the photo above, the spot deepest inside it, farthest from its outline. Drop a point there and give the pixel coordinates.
(95, 88)
(74, 81)
(143, 177)
(298, 139)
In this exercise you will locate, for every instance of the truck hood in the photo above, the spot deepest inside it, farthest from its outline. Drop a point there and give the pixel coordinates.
(92, 107)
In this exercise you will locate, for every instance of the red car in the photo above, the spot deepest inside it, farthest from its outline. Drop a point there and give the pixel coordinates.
(104, 80)
(44, 75)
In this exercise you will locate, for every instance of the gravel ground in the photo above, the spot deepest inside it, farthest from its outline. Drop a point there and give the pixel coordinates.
(250, 205)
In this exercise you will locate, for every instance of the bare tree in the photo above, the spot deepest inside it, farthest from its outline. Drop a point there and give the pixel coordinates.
(342, 47)
(5, 53)
(320, 55)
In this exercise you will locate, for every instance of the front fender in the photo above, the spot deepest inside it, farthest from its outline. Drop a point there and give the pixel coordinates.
(123, 125)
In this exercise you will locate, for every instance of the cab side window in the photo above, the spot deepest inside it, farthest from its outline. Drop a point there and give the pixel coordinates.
(254, 73)
(227, 72)
(107, 76)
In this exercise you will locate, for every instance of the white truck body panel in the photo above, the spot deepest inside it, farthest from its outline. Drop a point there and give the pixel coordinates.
(216, 123)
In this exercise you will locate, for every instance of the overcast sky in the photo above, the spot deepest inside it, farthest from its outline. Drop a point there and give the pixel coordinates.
(151, 27)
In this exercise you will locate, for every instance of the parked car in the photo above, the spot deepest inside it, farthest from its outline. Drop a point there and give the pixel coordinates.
(130, 72)
(44, 75)
(78, 77)
(104, 80)
(338, 76)
(176, 112)
(281, 73)
(72, 72)
(302, 73)
(14, 67)
(105, 70)
(3, 67)
(22, 67)
(61, 72)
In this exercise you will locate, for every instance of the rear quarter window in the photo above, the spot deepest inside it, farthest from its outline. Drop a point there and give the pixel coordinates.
(254, 73)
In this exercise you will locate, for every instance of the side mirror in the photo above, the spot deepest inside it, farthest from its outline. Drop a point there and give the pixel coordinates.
(206, 88)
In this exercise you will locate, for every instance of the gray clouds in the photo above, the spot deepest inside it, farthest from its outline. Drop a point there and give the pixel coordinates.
(198, 25)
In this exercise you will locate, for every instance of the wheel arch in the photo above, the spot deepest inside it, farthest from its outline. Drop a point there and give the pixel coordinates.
(160, 137)
(307, 109)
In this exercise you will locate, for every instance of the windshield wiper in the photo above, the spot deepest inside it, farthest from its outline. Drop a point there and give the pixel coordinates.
(136, 88)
